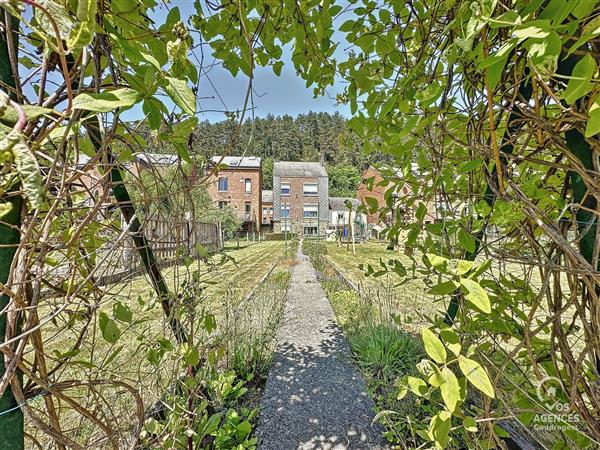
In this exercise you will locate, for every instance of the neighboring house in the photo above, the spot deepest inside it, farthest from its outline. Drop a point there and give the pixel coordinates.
(145, 161)
(340, 217)
(374, 186)
(237, 182)
(300, 198)
(267, 209)
(95, 184)
(370, 186)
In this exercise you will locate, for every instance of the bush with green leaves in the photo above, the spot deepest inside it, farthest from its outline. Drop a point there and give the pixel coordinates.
(204, 413)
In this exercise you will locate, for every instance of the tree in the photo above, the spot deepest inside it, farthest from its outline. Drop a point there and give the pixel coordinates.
(491, 109)
(267, 173)
(343, 181)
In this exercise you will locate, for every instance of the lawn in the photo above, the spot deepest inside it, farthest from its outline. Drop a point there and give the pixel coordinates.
(409, 300)
(224, 286)
(235, 278)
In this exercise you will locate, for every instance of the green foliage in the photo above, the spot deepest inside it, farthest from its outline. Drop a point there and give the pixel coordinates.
(175, 192)
(344, 180)
(267, 173)
(384, 351)
(313, 136)
(215, 421)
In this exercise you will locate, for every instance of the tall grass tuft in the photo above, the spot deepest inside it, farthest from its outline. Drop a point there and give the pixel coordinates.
(248, 328)
(384, 351)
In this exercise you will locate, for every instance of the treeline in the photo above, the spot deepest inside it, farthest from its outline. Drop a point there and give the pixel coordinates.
(315, 136)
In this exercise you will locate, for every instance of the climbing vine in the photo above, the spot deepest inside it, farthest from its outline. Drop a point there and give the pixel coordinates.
(490, 109)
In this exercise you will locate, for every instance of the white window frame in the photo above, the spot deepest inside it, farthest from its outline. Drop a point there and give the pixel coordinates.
(310, 192)
(289, 189)
(226, 184)
(310, 234)
(313, 208)
(286, 226)
(287, 208)
(248, 185)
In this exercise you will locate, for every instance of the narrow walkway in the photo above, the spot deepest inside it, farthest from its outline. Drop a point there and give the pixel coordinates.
(315, 397)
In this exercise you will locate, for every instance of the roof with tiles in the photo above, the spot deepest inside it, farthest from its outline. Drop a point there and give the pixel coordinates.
(298, 169)
(235, 162)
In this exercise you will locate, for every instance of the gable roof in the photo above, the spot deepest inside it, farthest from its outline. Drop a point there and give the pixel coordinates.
(298, 169)
(338, 203)
(157, 159)
(235, 162)
(149, 159)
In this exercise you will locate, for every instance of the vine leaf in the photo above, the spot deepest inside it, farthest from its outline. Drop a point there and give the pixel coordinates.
(443, 288)
(466, 240)
(476, 375)
(593, 124)
(433, 346)
(580, 82)
(476, 295)
(181, 94)
(108, 327)
(106, 101)
(450, 389)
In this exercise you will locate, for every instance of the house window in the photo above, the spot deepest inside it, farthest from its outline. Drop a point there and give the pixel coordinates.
(223, 204)
(270, 211)
(311, 189)
(223, 187)
(311, 210)
(285, 211)
(310, 231)
(286, 226)
(248, 184)
(340, 218)
(248, 211)
(285, 189)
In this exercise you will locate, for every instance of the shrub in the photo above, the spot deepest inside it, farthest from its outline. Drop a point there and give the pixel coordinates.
(279, 236)
(385, 352)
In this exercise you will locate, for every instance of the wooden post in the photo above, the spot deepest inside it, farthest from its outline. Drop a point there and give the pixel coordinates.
(352, 231)
(349, 225)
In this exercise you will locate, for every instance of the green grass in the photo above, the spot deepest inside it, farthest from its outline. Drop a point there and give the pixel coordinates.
(370, 318)
(224, 286)
(408, 301)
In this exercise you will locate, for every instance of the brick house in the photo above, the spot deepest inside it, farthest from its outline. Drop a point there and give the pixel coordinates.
(267, 209)
(300, 198)
(373, 185)
(238, 183)
(94, 184)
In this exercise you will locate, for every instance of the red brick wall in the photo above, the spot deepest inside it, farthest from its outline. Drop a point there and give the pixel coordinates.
(236, 194)
(297, 199)
(266, 218)
(378, 192)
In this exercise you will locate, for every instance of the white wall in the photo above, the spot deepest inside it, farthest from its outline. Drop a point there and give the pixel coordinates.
(335, 222)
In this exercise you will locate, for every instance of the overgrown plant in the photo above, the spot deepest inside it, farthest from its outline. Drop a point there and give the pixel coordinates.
(71, 70)
(490, 109)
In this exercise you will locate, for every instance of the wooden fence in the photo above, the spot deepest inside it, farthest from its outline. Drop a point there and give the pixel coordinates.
(170, 242)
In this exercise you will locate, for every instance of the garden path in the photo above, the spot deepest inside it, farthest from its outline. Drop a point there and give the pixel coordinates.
(315, 397)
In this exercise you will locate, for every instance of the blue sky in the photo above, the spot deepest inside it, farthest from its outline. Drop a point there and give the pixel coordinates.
(219, 90)
(284, 94)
